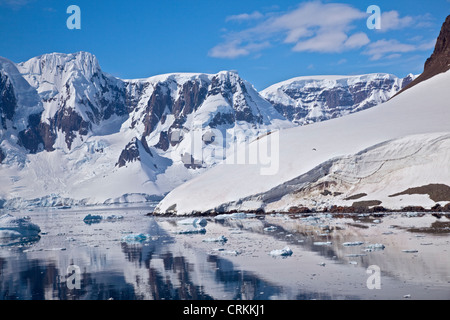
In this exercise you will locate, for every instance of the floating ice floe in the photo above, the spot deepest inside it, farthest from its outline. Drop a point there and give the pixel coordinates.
(375, 246)
(352, 244)
(311, 218)
(219, 239)
(285, 252)
(327, 243)
(134, 238)
(90, 219)
(193, 221)
(14, 228)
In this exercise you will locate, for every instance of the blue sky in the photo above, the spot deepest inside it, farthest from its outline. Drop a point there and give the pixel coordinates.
(266, 41)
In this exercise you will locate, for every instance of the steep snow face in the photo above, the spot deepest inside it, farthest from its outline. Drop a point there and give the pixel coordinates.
(195, 119)
(306, 100)
(306, 153)
(77, 96)
(18, 100)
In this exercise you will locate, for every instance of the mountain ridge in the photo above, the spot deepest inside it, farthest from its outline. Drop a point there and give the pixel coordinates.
(105, 129)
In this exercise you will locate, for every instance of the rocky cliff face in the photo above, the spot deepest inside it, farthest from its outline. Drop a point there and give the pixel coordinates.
(306, 100)
(439, 61)
(7, 100)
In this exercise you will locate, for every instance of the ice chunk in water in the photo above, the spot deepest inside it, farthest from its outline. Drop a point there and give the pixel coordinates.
(13, 228)
(138, 237)
(285, 252)
(219, 239)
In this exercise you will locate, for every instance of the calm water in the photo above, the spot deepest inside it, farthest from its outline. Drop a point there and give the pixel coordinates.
(173, 265)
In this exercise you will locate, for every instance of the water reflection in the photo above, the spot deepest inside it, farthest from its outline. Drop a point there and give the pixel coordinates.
(166, 266)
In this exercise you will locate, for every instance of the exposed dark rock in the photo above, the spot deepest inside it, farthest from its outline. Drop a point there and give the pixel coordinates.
(38, 136)
(413, 209)
(129, 154)
(158, 102)
(8, 100)
(437, 192)
(299, 210)
(439, 61)
(356, 196)
(69, 121)
(368, 203)
(163, 143)
(2, 155)
(192, 96)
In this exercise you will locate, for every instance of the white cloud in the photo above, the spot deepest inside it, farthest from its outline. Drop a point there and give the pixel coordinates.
(390, 49)
(390, 20)
(312, 26)
(15, 4)
(234, 49)
(245, 17)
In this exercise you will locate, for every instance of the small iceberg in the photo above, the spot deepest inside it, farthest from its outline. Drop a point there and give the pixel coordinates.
(13, 228)
(323, 243)
(285, 252)
(134, 238)
(375, 246)
(193, 221)
(219, 239)
(90, 219)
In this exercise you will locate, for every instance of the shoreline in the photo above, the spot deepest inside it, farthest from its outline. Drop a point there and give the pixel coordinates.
(377, 211)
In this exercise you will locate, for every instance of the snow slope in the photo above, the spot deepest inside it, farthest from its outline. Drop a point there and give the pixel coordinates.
(307, 153)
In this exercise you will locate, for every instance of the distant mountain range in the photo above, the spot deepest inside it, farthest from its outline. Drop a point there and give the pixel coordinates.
(73, 134)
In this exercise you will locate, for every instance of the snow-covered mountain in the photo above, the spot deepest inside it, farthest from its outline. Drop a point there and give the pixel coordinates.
(74, 134)
(395, 155)
(375, 155)
(306, 100)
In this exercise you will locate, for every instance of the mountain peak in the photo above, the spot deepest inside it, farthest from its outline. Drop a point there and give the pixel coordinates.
(60, 63)
(439, 61)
